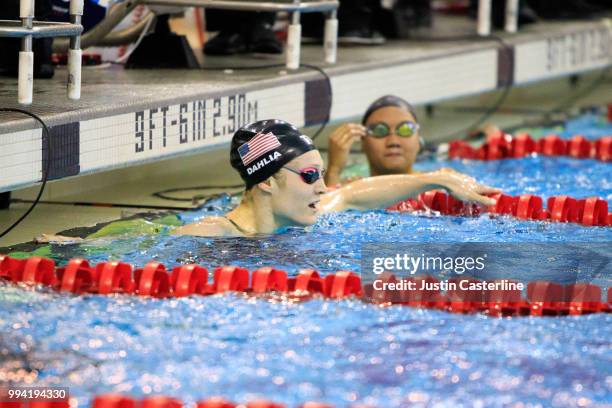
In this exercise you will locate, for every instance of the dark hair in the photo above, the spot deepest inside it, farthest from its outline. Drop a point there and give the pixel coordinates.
(388, 100)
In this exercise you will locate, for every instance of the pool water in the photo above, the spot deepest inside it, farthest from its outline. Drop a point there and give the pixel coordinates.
(340, 352)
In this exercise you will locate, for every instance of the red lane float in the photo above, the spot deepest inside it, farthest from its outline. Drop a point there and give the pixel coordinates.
(342, 284)
(264, 404)
(522, 145)
(505, 303)
(215, 402)
(498, 145)
(603, 149)
(113, 401)
(120, 401)
(595, 212)
(8, 266)
(543, 298)
(230, 278)
(35, 404)
(503, 146)
(528, 207)
(423, 298)
(76, 277)
(592, 211)
(465, 301)
(160, 402)
(152, 280)
(436, 200)
(376, 295)
(551, 145)
(38, 270)
(48, 404)
(113, 277)
(307, 281)
(579, 147)
(408, 205)
(546, 299)
(187, 280)
(561, 208)
(32, 271)
(268, 280)
(583, 298)
(504, 205)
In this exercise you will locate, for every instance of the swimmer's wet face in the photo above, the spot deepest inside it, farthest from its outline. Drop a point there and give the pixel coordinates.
(282, 170)
(392, 154)
(294, 200)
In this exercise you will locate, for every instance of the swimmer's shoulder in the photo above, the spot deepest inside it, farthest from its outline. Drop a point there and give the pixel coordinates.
(209, 227)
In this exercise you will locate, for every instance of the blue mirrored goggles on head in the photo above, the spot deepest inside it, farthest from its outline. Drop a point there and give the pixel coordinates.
(403, 129)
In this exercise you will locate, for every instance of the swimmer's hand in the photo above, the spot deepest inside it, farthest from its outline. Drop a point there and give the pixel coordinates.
(340, 143)
(465, 188)
(50, 238)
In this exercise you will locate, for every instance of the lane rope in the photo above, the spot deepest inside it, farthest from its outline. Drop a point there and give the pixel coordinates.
(78, 276)
(589, 212)
(500, 145)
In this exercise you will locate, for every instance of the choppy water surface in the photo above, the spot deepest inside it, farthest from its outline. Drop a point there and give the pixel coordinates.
(338, 352)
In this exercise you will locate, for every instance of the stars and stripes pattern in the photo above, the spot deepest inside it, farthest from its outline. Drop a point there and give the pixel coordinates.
(258, 145)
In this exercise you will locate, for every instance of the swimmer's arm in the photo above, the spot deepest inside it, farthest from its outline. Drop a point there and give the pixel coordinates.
(383, 191)
(208, 227)
(55, 239)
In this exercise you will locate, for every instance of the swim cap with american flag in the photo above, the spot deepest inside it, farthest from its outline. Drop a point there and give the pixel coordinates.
(262, 148)
(256, 147)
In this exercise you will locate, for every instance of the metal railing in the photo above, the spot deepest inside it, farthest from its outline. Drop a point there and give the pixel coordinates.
(294, 7)
(484, 17)
(27, 29)
(101, 34)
